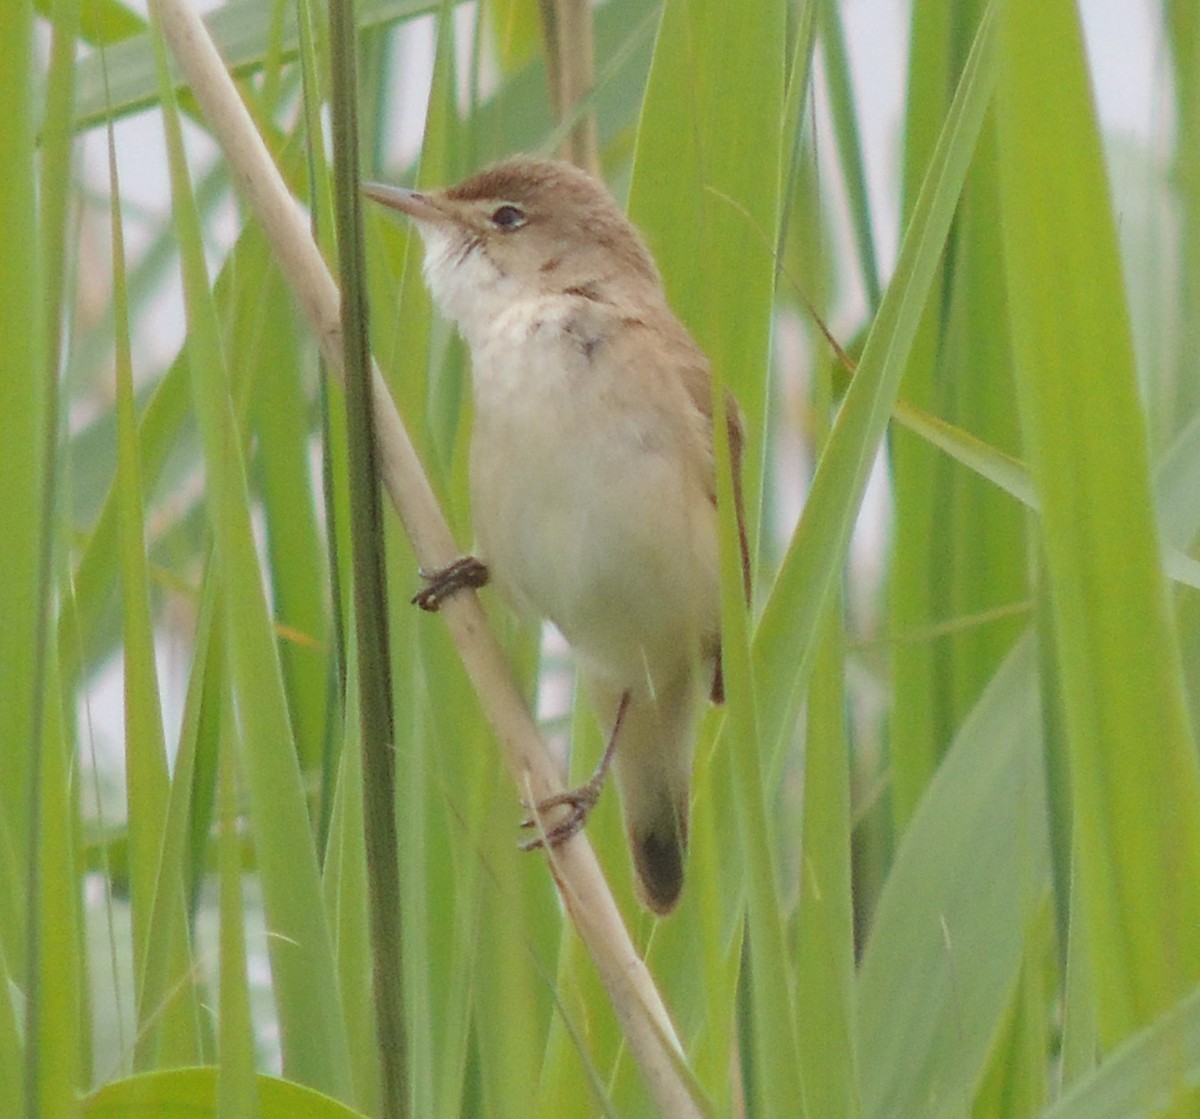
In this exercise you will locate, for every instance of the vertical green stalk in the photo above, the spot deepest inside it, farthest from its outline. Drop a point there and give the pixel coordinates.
(26, 436)
(826, 1002)
(22, 423)
(1182, 18)
(915, 730)
(370, 592)
(237, 1092)
(957, 540)
(55, 1064)
(166, 1025)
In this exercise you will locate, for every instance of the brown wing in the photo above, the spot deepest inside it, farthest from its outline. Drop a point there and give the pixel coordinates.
(735, 426)
(699, 387)
(684, 356)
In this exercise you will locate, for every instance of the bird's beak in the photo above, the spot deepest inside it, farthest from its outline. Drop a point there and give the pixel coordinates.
(410, 202)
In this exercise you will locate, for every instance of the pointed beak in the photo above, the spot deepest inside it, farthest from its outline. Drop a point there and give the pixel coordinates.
(410, 202)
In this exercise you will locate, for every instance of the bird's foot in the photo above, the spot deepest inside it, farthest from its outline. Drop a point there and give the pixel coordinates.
(465, 572)
(580, 800)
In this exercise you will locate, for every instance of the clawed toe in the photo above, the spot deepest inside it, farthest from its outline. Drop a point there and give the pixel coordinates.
(467, 571)
(580, 801)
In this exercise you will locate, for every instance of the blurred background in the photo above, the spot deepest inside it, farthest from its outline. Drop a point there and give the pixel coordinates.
(945, 599)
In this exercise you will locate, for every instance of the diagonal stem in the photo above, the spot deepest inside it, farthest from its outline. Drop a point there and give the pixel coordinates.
(585, 894)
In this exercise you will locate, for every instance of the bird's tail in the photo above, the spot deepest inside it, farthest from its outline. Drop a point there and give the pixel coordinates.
(653, 769)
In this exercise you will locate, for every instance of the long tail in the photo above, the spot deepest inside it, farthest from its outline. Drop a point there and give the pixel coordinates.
(653, 769)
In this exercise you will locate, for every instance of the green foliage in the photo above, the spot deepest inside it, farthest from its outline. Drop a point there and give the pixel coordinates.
(981, 901)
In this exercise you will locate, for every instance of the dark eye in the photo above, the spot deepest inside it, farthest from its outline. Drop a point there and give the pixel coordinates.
(508, 217)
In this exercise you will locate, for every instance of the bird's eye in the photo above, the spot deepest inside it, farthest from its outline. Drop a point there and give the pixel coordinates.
(508, 217)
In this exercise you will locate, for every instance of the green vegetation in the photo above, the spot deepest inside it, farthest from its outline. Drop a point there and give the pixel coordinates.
(946, 850)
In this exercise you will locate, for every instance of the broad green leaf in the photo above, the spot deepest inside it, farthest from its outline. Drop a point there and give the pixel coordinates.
(101, 21)
(1017, 1080)
(191, 1093)
(1134, 777)
(1144, 1076)
(949, 933)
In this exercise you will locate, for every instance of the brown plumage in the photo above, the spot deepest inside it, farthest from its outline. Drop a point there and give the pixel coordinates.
(593, 488)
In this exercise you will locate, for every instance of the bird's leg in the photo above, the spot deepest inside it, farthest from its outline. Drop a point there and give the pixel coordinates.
(580, 800)
(464, 572)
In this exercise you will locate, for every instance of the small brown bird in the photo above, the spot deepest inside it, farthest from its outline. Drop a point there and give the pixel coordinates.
(593, 488)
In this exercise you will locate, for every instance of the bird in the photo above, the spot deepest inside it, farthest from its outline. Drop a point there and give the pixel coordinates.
(592, 472)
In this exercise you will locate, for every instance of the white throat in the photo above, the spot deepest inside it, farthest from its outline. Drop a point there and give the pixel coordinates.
(466, 285)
